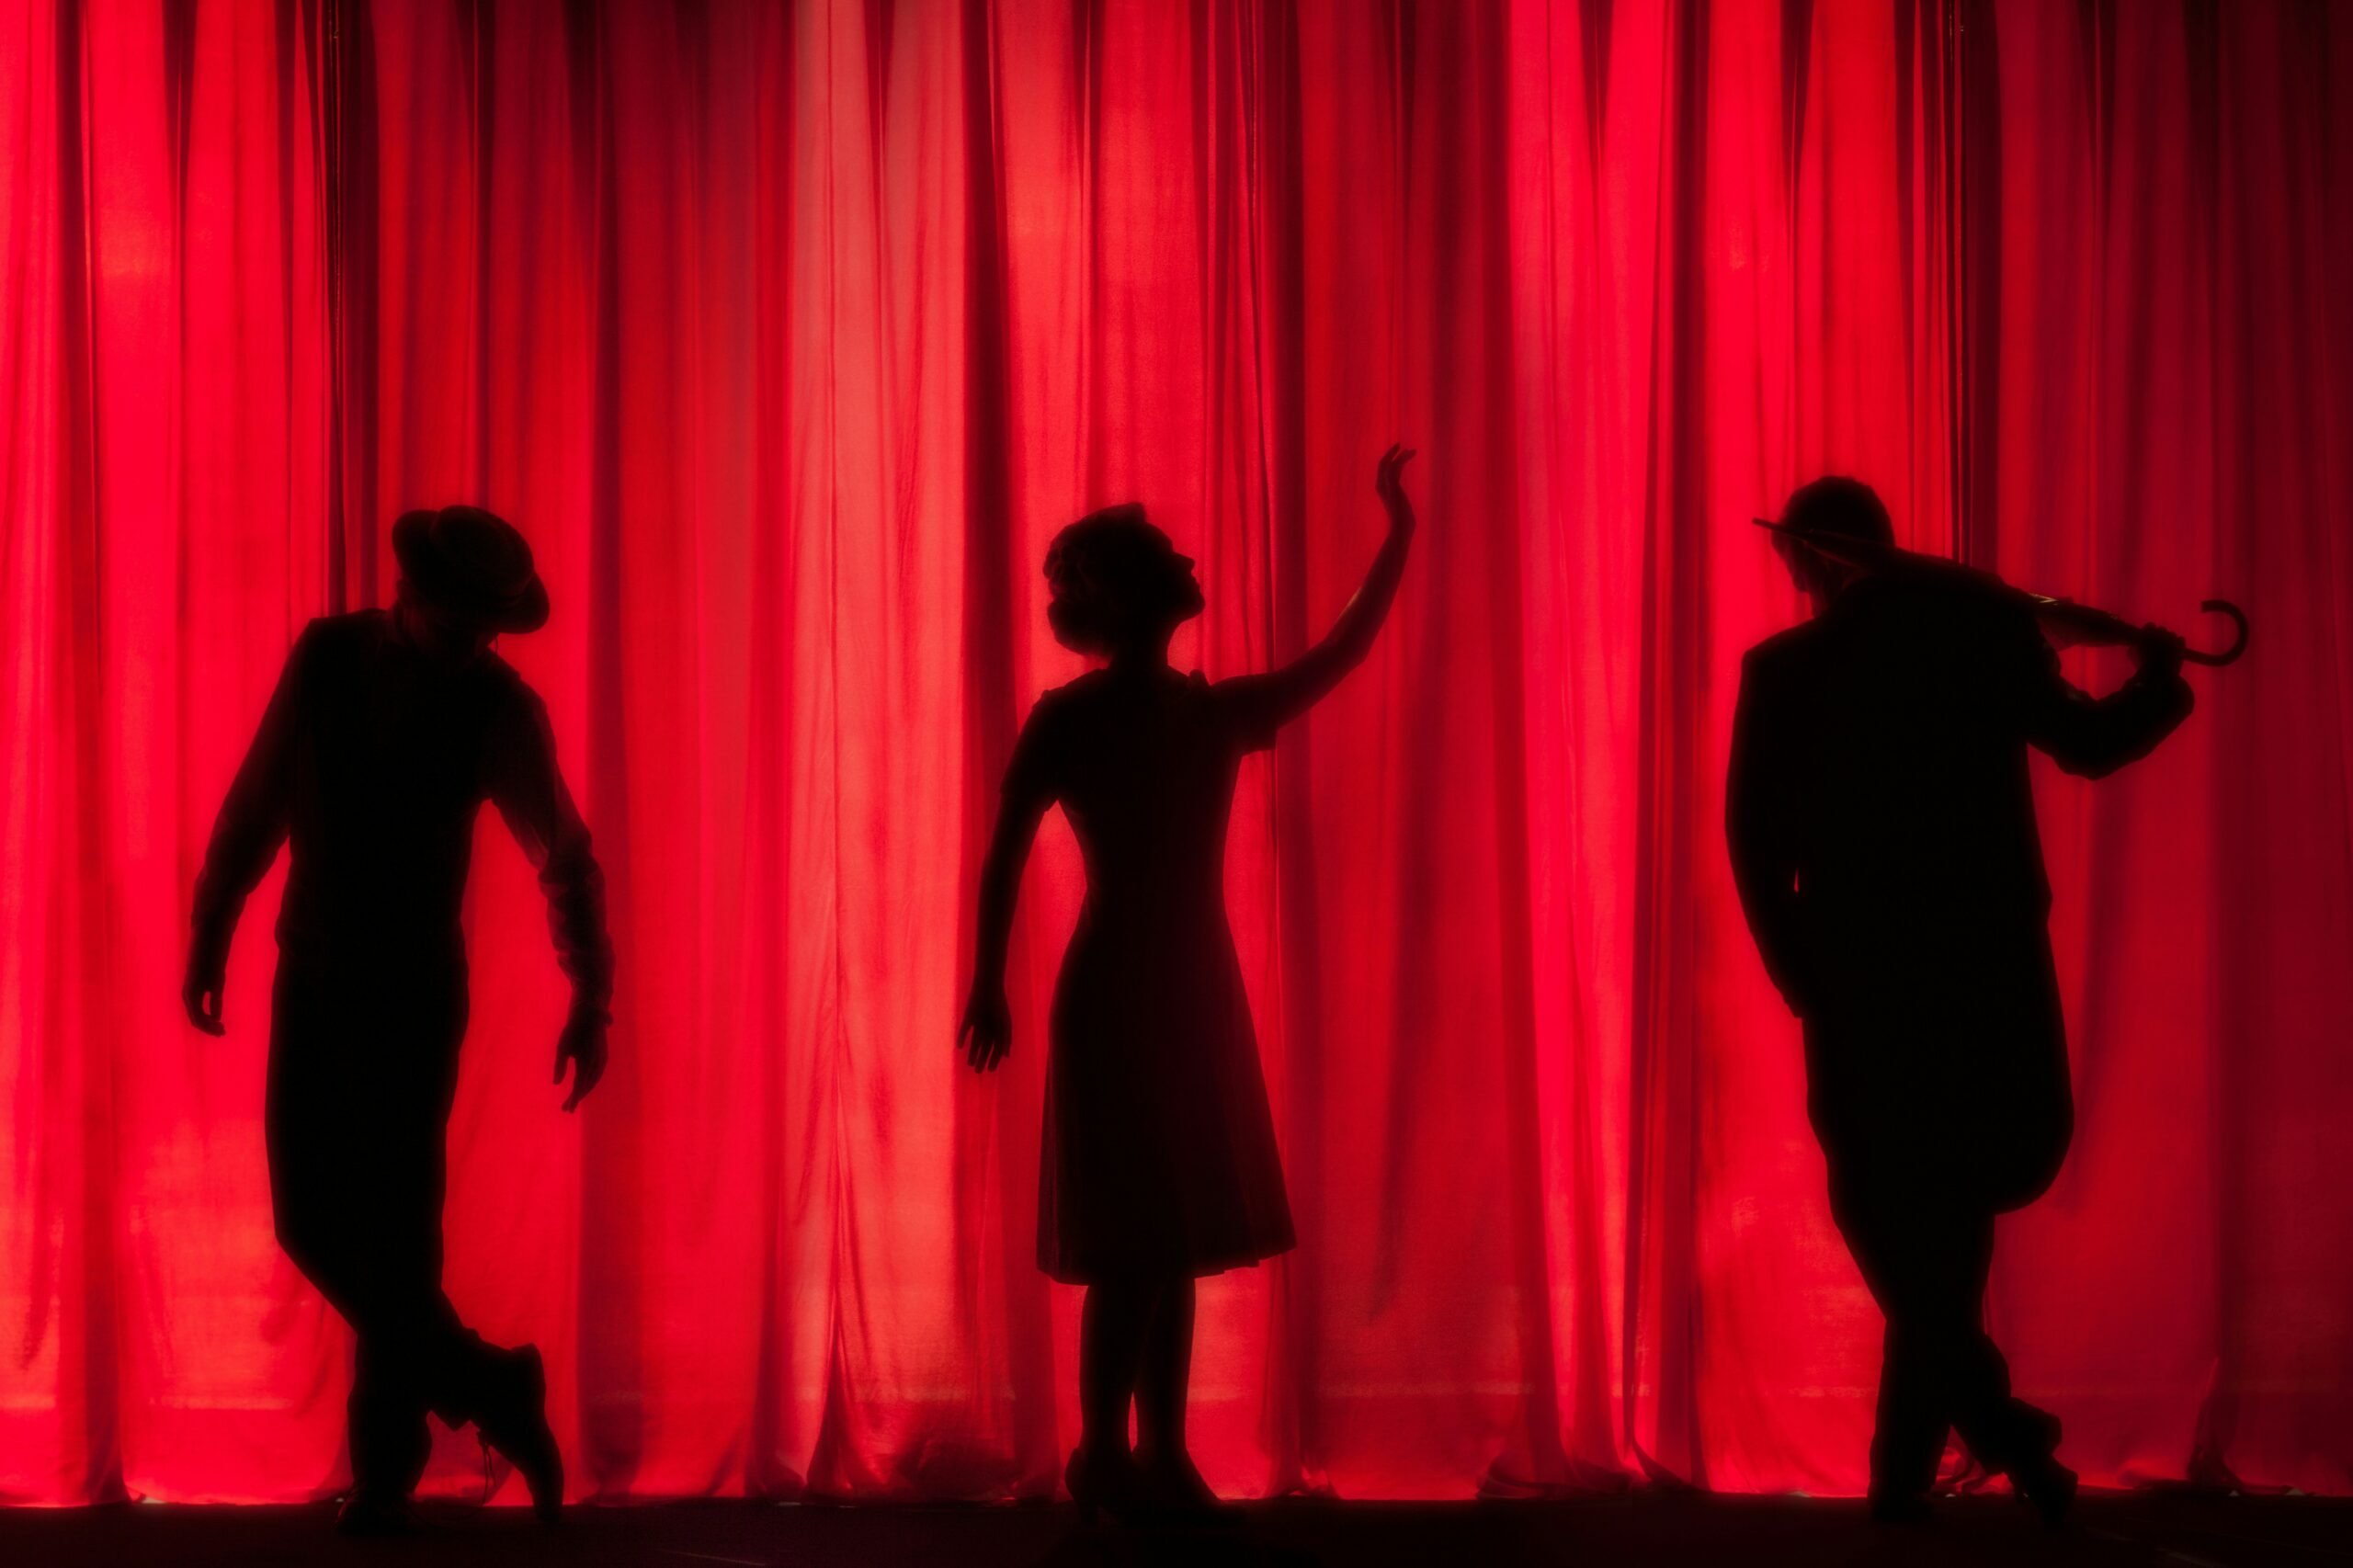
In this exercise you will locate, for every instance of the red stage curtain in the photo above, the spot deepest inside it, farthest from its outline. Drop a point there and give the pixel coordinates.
(791, 333)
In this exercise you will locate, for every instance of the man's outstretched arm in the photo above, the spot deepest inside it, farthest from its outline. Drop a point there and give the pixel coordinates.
(530, 792)
(246, 836)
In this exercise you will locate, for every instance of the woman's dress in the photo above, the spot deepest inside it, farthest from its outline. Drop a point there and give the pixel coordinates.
(1159, 1152)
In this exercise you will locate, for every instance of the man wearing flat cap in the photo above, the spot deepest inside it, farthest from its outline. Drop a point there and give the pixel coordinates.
(387, 731)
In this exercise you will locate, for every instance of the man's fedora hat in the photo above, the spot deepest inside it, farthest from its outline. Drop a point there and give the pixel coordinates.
(473, 563)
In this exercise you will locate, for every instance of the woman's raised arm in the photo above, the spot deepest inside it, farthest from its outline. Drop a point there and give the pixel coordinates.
(1273, 700)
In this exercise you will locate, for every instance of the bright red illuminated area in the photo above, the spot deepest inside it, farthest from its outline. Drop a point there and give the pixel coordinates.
(789, 336)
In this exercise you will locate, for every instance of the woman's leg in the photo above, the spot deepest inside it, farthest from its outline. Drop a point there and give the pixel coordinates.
(1110, 1342)
(1166, 1367)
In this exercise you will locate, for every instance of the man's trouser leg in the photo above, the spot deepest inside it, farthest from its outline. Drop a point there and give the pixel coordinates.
(339, 1222)
(1926, 1257)
(357, 1119)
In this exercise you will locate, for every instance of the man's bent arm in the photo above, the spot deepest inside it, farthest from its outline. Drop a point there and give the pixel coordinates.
(1763, 864)
(2094, 736)
(252, 824)
(529, 793)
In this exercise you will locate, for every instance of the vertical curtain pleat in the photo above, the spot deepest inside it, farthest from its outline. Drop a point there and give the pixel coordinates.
(791, 333)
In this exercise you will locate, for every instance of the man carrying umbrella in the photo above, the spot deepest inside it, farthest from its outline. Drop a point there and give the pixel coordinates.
(1882, 836)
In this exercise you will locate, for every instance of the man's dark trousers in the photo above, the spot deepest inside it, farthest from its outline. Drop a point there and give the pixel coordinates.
(362, 1072)
(1916, 1208)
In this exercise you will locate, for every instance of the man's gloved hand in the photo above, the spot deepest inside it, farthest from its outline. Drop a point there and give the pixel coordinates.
(2157, 654)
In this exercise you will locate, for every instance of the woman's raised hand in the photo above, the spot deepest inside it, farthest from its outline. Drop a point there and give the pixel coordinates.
(1389, 483)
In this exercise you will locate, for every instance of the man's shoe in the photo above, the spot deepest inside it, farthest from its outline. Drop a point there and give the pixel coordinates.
(2047, 1487)
(1899, 1508)
(514, 1420)
(369, 1512)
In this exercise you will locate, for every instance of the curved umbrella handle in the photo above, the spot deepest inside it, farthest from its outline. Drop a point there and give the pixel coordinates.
(2238, 640)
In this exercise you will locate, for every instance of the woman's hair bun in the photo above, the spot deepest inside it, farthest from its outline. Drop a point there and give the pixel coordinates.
(1104, 572)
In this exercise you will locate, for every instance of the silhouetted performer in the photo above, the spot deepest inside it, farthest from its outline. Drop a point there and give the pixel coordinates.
(1159, 1161)
(1882, 836)
(386, 733)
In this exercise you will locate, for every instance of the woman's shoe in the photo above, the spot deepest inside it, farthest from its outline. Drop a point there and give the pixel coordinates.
(1176, 1492)
(1106, 1485)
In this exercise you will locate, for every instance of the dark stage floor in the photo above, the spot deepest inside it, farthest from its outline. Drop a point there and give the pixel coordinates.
(2165, 1531)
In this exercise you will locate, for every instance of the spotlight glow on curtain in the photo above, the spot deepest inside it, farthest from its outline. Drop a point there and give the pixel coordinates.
(791, 333)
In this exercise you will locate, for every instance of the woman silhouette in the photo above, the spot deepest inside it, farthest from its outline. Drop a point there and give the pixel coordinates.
(1159, 1162)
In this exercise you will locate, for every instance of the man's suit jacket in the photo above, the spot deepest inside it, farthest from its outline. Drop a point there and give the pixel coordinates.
(1881, 826)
